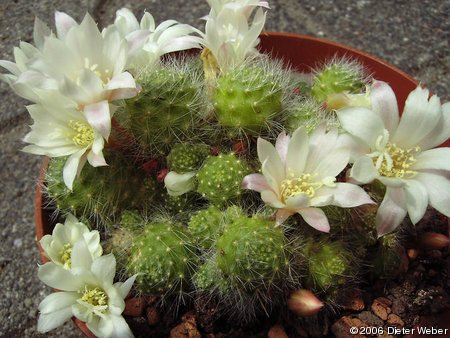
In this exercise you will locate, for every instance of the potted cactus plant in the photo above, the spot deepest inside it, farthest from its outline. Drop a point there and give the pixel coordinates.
(225, 171)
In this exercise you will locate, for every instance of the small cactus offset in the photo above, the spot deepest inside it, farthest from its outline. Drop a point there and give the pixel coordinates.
(338, 76)
(170, 106)
(186, 157)
(251, 97)
(164, 258)
(220, 177)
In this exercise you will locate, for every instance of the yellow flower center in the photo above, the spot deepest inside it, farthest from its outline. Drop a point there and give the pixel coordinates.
(104, 75)
(391, 160)
(84, 134)
(95, 297)
(303, 184)
(66, 254)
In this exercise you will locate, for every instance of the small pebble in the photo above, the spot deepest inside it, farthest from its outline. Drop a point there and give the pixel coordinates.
(277, 331)
(134, 307)
(152, 316)
(381, 307)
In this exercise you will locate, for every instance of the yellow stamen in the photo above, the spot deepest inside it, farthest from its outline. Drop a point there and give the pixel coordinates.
(394, 161)
(95, 297)
(84, 134)
(66, 254)
(303, 184)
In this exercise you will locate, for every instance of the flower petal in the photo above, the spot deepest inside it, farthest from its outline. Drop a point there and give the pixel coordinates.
(59, 278)
(316, 218)
(123, 87)
(98, 116)
(96, 160)
(419, 118)
(362, 123)
(256, 182)
(282, 215)
(297, 153)
(281, 145)
(63, 23)
(384, 103)
(124, 288)
(179, 184)
(270, 198)
(268, 155)
(50, 321)
(104, 268)
(57, 301)
(298, 201)
(416, 200)
(438, 158)
(392, 211)
(348, 195)
(438, 187)
(71, 168)
(441, 132)
(363, 171)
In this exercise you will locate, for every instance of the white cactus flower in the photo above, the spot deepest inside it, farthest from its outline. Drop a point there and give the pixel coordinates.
(88, 292)
(61, 130)
(148, 42)
(58, 246)
(299, 176)
(398, 152)
(179, 184)
(228, 34)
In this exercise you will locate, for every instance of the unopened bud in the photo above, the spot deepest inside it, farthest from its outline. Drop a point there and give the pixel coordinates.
(304, 303)
(434, 240)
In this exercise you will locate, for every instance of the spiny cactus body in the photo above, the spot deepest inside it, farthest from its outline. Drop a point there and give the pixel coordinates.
(169, 106)
(338, 76)
(249, 97)
(205, 226)
(219, 179)
(186, 157)
(163, 257)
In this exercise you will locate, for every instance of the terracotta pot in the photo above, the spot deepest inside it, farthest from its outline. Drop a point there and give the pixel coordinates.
(302, 53)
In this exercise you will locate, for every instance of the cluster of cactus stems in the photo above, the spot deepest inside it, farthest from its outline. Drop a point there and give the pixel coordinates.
(217, 241)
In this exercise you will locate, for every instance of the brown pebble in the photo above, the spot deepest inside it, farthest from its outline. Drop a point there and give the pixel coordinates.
(381, 307)
(352, 300)
(134, 307)
(277, 331)
(395, 320)
(152, 316)
(341, 328)
(185, 330)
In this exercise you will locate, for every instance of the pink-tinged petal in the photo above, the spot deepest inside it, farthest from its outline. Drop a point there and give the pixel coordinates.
(348, 195)
(59, 278)
(98, 116)
(123, 86)
(298, 201)
(282, 215)
(362, 123)
(384, 103)
(304, 303)
(438, 159)
(392, 211)
(363, 171)
(281, 145)
(256, 182)
(322, 198)
(268, 155)
(63, 23)
(71, 168)
(270, 198)
(416, 200)
(419, 118)
(316, 218)
(438, 187)
(297, 153)
(96, 160)
(136, 40)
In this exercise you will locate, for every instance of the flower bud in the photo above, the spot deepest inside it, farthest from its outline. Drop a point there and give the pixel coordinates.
(304, 303)
(434, 240)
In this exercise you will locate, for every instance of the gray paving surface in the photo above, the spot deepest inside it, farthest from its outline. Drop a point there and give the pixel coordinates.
(413, 35)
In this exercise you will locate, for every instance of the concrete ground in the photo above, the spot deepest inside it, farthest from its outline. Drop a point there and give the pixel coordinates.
(411, 34)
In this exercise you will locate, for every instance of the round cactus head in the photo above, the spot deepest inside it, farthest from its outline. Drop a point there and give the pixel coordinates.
(220, 177)
(185, 157)
(163, 257)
